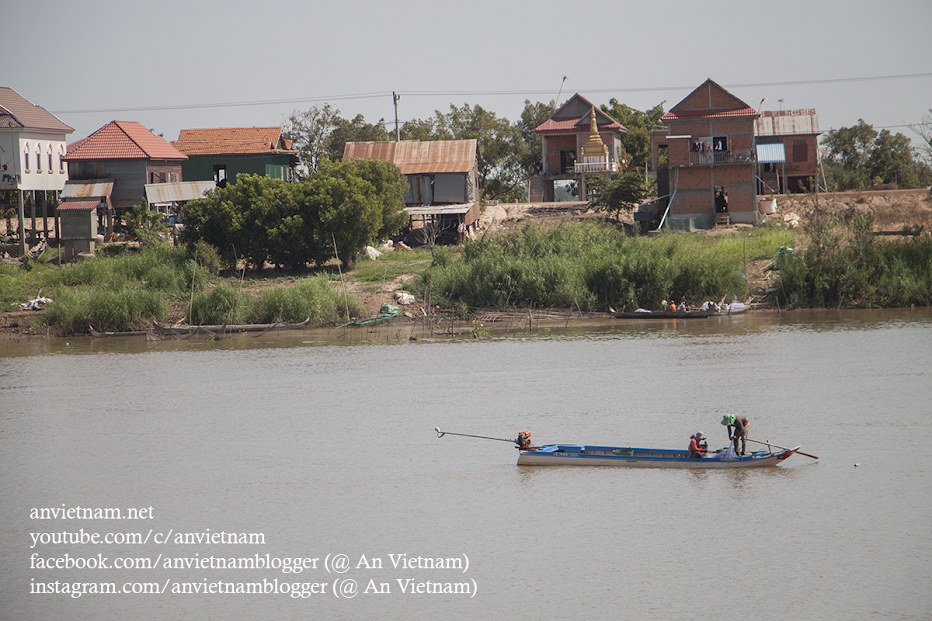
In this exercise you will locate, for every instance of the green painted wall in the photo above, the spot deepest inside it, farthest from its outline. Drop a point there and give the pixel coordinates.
(201, 167)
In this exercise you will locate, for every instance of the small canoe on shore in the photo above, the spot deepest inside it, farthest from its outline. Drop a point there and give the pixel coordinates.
(645, 314)
(578, 455)
(388, 311)
(226, 329)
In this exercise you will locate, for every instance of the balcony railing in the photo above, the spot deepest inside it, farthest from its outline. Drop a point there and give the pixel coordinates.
(595, 167)
(743, 156)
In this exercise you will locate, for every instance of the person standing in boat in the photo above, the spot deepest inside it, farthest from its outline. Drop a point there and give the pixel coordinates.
(698, 447)
(737, 429)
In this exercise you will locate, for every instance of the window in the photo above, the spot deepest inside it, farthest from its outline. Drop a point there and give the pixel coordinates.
(800, 151)
(38, 158)
(61, 162)
(26, 157)
(51, 166)
(220, 173)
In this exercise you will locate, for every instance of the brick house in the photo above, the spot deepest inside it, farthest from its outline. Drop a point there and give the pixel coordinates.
(577, 141)
(127, 156)
(787, 151)
(709, 172)
(219, 154)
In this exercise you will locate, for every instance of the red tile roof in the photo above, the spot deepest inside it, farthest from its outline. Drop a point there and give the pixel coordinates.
(78, 205)
(687, 110)
(711, 113)
(122, 140)
(231, 141)
(575, 117)
(580, 125)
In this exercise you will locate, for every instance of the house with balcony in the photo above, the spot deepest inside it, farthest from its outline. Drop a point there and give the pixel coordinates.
(578, 141)
(219, 154)
(32, 145)
(706, 160)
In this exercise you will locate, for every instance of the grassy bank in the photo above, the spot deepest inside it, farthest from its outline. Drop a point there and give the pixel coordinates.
(594, 266)
(838, 262)
(846, 266)
(127, 291)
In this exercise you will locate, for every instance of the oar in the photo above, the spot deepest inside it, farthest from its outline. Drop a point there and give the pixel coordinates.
(781, 447)
(440, 434)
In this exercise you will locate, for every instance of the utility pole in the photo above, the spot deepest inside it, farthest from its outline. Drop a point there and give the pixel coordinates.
(395, 99)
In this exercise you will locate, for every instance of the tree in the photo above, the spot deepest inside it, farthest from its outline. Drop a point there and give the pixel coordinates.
(620, 192)
(388, 187)
(533, 115)
(636, 141)
(924, 129)
(252, 219)
(309, 131)
(860, 157)
(356, 130)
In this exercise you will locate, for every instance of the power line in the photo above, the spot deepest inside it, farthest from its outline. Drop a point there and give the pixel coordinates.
(372, 95)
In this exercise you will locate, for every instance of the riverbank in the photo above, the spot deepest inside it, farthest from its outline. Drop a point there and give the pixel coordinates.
(373, 283)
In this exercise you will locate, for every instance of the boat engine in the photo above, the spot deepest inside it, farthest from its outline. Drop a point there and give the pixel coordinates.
(524, 439)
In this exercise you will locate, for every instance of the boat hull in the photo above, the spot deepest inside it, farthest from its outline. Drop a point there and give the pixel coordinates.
(699, 314)
(572, 455)
(228, 329)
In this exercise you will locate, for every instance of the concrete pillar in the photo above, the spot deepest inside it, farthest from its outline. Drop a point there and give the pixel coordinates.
(22, 223)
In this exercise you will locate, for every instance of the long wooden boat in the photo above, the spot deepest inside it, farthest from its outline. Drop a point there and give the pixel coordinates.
(100, 335)
(584, 455)
(663, 314)
(226, 329)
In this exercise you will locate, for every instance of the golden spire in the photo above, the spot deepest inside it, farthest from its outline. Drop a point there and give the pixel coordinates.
(594, 147)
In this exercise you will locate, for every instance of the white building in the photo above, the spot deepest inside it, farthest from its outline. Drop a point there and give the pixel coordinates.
(32, 144)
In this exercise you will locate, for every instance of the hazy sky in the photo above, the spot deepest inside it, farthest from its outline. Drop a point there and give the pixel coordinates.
(173, 65)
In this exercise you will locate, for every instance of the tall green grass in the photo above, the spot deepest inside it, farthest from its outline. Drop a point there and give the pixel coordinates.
(76, 310)
(845, 266)
(313, 298)
(594, 266)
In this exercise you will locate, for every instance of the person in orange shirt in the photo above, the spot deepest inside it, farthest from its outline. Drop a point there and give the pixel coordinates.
(698, 447)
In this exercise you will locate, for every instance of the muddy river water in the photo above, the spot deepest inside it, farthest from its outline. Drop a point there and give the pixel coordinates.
(298, 475)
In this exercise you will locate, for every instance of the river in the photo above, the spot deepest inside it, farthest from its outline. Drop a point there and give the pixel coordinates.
(239, 455)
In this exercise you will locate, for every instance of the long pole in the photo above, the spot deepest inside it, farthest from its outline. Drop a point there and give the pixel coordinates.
(780, 447)
(440, 434)
(395, 99)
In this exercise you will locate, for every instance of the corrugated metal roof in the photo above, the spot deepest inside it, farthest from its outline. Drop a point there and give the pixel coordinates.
(87, 189)
(161, 193)
(78, 205)
(231, 140)
(440, 210)
(416, 157)
(122, 140)
(17, 111)
(787, 123)
(771, 153)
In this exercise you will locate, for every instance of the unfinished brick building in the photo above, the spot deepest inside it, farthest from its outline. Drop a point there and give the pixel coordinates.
(709, 172)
